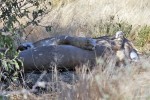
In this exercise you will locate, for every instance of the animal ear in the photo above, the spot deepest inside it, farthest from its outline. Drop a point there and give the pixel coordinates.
(21, 48)
(119, 34)
(25, 46)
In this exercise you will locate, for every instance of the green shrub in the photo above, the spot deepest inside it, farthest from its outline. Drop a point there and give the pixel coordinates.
(110, 26)
(12, 11)
(143, 36)
(10, 69)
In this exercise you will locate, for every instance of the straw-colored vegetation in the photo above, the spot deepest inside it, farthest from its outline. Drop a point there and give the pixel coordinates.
(94, 18)
(125, 83)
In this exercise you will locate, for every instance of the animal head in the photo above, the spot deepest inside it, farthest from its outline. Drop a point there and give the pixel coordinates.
(119, 35)
(120, 43)
(25, 46)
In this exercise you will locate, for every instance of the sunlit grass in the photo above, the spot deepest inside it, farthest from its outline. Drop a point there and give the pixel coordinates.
(94, 18)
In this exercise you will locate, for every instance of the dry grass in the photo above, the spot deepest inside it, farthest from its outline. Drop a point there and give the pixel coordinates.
(93, 18)
(80, 14)
(130, 83)
(124, 83)
(88, 18)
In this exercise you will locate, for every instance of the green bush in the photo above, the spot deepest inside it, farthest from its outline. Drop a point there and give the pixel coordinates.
(12, 11)
(110, 26)
(143, 36)
(10, 69)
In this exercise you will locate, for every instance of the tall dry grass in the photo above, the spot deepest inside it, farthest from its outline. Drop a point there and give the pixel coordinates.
(136, 12)
(88, 18)
(84, 15)
(91, 17)
(128, 83)
(104, 82)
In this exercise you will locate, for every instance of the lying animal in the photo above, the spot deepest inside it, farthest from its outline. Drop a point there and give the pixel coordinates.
(81, 42)
(62, 56)
(68, 52)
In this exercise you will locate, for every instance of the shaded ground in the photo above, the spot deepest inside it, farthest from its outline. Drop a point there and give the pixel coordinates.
(130, 82)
